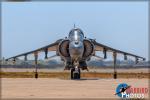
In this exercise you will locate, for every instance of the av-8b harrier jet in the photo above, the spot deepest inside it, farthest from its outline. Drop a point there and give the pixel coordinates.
(75, 50)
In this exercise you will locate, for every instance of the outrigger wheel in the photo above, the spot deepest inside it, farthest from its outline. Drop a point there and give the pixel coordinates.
(75, 73)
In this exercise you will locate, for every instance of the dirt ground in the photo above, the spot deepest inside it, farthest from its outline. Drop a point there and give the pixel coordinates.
(101, 70)
(60, 88)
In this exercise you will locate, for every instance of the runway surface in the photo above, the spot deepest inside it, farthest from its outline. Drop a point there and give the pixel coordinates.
(59, 88)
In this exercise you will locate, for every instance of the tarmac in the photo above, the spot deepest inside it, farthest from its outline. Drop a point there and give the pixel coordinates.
(13, 88)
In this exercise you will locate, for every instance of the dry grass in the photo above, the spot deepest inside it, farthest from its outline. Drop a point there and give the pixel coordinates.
(66, 75)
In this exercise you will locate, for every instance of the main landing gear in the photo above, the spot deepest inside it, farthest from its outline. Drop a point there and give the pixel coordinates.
(75, 73)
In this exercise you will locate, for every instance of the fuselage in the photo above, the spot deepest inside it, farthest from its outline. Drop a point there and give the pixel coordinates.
(75, 49)
(76, 46)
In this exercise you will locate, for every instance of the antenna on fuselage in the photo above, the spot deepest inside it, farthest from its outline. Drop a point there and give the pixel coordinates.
(74, 25)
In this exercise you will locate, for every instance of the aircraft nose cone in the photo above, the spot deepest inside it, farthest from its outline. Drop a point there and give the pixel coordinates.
(76, 49)
(77, 45)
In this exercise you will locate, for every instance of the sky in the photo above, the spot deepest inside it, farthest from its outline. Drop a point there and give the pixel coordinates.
(30, 25)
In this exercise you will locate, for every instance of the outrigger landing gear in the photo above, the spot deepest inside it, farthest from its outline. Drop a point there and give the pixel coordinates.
(75, 73)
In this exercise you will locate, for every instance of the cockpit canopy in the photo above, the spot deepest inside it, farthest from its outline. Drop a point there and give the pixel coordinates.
(76, 34)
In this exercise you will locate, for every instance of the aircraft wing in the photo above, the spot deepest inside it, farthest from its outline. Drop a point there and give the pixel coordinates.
(50, 47)
(105, 49)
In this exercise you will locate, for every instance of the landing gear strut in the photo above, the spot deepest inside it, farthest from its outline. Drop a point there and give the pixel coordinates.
(75, 73)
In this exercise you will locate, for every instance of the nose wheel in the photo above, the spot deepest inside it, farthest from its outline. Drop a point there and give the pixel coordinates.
(75, 73)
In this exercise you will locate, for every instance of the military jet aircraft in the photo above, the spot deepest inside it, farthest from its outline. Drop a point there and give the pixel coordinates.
(75, 50)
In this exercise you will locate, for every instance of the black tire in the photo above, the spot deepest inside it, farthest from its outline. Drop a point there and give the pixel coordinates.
(72, 76)
(75, 75)
(79, 74)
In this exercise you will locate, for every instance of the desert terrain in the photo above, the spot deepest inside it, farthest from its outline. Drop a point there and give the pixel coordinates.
(101, 70)
(60, 88)
(56, 84)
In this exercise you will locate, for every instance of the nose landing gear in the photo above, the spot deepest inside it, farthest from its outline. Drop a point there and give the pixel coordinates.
(75, 73)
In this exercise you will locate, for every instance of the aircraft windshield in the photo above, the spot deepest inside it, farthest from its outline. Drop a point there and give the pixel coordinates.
(76, 34)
